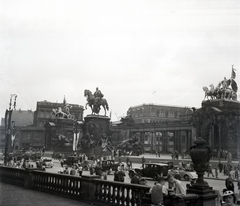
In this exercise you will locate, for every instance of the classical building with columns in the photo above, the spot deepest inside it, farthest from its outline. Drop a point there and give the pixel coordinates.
(159, 127)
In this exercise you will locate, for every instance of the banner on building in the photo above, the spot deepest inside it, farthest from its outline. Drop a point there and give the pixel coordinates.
(13, 138)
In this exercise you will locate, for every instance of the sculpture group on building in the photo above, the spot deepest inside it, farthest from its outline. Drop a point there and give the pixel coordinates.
(95, 101)
(63, 112)
(225, 89)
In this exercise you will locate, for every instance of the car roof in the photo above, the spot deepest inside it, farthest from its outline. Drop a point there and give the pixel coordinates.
(49, 159)
(160, 164)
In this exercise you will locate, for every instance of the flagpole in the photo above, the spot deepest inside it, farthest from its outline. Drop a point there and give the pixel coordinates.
(8, 127)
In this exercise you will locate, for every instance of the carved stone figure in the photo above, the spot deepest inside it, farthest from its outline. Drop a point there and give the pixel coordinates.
(95, 101)
(61, 114)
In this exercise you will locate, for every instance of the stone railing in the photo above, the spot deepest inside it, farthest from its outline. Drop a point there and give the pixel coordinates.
(117, 193)
(88, 188)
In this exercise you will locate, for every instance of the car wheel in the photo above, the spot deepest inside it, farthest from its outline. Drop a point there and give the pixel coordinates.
(155, 176)
(186, 177)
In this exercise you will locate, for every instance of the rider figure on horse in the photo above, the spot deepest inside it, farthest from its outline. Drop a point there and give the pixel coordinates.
(98, 95)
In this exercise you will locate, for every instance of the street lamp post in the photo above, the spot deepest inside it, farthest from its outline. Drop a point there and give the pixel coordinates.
(8, 126)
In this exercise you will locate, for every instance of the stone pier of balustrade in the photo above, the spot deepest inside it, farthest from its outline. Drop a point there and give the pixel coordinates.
(88, 187)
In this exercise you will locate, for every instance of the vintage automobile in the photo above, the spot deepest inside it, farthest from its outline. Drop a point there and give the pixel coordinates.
(151, 170)
(70, 160)
(184, 174)
(109, 165)
(86, 164)
(170, 164)
(47, 162)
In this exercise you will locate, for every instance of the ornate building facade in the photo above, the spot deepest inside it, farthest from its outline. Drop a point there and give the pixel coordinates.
(30, 128)
(159, 127)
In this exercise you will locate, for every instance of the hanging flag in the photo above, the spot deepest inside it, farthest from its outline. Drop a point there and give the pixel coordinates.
(13, 138)
(74, 141)
(233, 76)
(77, 139)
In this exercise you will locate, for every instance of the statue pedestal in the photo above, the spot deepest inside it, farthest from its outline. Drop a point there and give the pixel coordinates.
(217, 122)
(97, 127)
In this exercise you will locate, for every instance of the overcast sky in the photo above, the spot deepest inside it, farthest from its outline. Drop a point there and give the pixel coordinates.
(160, 52)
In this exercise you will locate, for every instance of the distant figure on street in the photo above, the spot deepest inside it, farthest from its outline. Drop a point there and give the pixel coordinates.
(216, 172)
(80, 170)
(220, 166)
(210, 170)
(143, 161)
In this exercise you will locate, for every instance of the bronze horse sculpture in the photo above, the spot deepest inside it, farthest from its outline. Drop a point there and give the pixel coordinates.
(95, 102)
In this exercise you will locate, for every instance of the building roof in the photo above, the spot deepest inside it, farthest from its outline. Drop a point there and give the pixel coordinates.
(158, 105)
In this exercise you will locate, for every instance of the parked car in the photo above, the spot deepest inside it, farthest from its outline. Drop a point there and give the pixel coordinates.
(47, 162)
(86, 164)
(70, 160)
(151, 170)
(170, 164)
(109, 165)
(184, 174)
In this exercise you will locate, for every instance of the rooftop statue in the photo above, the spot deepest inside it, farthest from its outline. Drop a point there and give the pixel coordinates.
(225, 89)
(63, 112)
(95, 101)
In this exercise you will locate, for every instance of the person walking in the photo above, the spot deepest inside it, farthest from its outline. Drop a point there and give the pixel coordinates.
(216, 172)
(220, 166)
(210, 170)
(143, 161)
(236, 173)
(80, 170)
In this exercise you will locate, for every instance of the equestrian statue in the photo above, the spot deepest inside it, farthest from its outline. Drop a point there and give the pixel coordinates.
(95, 101)
(225, 89)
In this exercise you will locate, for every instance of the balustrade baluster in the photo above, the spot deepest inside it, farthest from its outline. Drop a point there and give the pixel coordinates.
(138, 198)
(127, 197)
(122, 196)
(100, 192)
(132, 199)
(109, 194)
(104, 193)
(113, 194)
(118, 195)
(96, 191)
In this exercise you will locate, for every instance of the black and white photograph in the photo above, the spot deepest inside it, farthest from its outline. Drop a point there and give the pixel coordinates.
(119, 102)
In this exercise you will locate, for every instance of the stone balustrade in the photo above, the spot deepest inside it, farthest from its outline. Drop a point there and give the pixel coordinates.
(88, 188)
